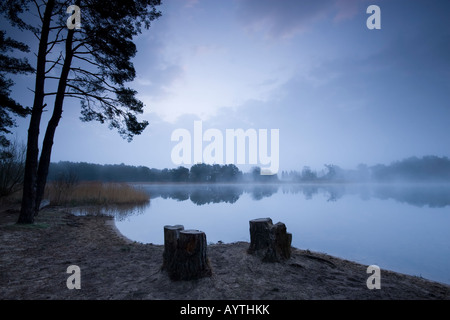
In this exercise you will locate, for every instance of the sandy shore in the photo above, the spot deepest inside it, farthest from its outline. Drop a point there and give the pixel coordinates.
(34, 261)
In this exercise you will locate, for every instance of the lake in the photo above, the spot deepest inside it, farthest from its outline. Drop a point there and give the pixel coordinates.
(404, 228)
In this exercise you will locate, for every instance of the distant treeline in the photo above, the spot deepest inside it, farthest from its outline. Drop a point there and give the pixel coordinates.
(198, 173)
(425, 169)
(428, 168)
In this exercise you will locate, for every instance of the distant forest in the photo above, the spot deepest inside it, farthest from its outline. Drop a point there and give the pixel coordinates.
(425, 169)
(198, 173)
(413, 169)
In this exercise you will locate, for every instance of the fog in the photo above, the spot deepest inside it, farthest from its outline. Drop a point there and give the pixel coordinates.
(433, 195)
(336, 91)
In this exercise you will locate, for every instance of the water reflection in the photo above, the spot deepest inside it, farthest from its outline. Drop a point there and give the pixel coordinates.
(214, 193)
(118, 212)
(435, 196)
(398, 227)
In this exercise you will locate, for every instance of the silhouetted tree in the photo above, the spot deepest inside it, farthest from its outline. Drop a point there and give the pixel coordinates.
(93, 65)
(331, 173)
(201, 172)
(230, 173)
(12, 168)
(308, 174)
(126, 173)
(256, 173)
(180, 174)
(428, 168)
(9, 108)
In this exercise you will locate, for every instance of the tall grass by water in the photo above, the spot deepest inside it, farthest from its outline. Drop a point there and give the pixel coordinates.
(94, 193)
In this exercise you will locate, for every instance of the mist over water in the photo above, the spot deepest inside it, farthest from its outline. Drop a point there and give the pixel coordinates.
(401, 227)
(417, 194)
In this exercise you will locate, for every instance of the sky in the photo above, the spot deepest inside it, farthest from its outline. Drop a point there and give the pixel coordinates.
(336, 91)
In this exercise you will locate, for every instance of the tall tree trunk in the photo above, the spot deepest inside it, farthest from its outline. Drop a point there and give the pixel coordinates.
(44, 161)
(27, 210)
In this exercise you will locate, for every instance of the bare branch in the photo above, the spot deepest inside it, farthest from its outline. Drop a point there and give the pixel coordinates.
(57, 27)
(88, 93)
(109, 88)
(83, 52)
(53, 43)
(78, 69)
(54, 64)
(103, 99)
(56, 41)
(37, 36)
(98, 77)
(88, 61)
(81, 44)
(53, 61)
(38, 10)
(89, 49)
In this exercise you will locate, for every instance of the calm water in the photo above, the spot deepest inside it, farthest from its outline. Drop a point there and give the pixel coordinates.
(401, 228)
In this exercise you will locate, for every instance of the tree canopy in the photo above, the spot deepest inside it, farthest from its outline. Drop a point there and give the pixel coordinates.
(91, 63)
(199, 173)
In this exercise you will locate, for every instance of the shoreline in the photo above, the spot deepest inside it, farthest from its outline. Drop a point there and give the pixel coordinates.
(35, 260)
(112, 224)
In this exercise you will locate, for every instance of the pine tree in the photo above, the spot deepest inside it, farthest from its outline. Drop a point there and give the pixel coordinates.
(93, 66)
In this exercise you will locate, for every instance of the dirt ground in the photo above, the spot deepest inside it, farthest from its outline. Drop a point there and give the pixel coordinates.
(34, 261)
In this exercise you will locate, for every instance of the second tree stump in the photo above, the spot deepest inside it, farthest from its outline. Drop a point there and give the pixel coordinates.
(184, 255)
(269, 241)
(171, 235)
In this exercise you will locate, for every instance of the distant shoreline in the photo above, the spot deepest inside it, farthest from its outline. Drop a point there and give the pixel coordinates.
(313, 183)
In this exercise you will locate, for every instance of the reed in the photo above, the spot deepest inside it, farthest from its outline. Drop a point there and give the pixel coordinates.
(95, 193)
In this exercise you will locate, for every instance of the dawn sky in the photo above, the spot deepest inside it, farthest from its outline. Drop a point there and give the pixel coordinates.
(337, 92)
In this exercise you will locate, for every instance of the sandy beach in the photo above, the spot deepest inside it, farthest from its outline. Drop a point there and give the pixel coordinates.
(34, 262)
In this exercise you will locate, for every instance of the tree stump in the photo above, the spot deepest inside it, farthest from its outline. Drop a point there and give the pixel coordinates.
(259, 234)
(270, 242)
(283, 240)
(184, 256)
(171, 235)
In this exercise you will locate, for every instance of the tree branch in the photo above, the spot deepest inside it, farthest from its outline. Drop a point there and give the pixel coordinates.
(38, 10)
(88, 61)
(54, 42)
(78, 69)
(54, 64)
(98, 77)
(82, 43)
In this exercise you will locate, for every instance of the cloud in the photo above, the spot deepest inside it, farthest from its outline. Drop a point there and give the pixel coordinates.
(158, 79)
(190, 3)
(284, 19)
(347, 9)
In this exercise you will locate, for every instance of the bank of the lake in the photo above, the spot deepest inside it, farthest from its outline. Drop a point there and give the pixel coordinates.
(35, 261)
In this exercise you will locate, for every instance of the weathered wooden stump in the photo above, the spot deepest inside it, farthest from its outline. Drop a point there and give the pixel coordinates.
(184, 256)
(283, 240)
(171, 235)
(269, 241)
